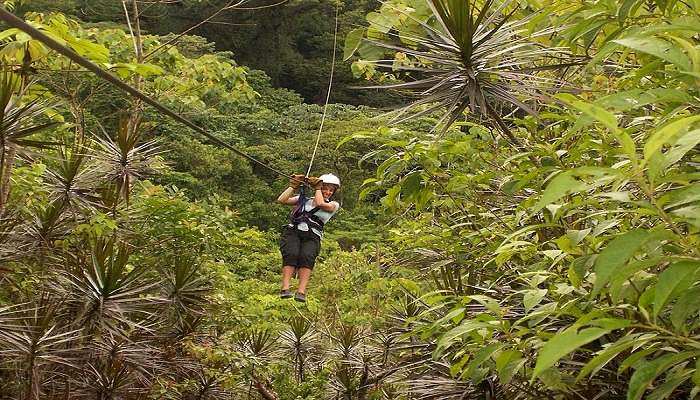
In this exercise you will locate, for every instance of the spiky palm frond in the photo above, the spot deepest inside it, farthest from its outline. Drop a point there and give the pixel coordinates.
(18, 125)
(300, 341)
(258, 344)
(106, 292)
(11, 248)
(444, 388)
(206, 386)
(45, 226)
(17, 117)
(474, 56)
(124, 160)
(35, 344)
(185, 288)
(185, 326)
(118, 367)
(71, 181)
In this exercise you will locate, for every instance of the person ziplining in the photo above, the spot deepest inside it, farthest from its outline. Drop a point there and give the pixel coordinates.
(300, 242)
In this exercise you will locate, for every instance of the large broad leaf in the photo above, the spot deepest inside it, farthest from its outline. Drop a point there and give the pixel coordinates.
(608, 119)
(454, 334)
(686, 195)
(573, 181)
(675, 280)
(352, 42)
(637, 98)
(619, 251)
(668, 135)
(648, 371)
(657, 48)
(533, 297)
(564, 343)
(604, 356)
(479, 358)
(508, 363)
(686, 306)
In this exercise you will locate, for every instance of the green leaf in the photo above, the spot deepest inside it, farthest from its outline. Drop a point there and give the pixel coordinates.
(563, 184)
(685, 195)
(625, 9)
(648, 371)
(369, 51)
(382, 22)
(667, 135)
(657, 48)
(684, 144)
(672, 282)
(671, 382)
(449, 337)
(479, 358)
(637, 98)
(508, 363)
(533, 297)
(564, 343)
(627, 272)
(603, 357)
(687, 305)
(352, 42)
(608, 119)
(618, 252)
(598, 113)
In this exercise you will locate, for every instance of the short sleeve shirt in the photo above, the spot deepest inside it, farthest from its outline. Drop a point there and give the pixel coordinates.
(323, 215)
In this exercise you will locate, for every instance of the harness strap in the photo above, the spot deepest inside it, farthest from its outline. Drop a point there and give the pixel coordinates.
(299, 214)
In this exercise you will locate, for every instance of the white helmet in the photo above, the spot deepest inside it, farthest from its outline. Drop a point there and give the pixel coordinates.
(330, 178)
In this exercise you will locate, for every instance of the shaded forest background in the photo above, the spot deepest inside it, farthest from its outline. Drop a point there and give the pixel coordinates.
(291, 41)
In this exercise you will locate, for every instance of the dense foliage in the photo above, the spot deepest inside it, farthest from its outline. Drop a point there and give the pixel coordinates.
(530, 228)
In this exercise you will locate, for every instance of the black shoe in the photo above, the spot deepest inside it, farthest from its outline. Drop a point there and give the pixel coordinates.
(285, 294)
(301, 297)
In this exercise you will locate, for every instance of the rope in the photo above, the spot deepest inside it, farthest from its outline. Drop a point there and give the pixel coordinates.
(18, 23)
(328, 94)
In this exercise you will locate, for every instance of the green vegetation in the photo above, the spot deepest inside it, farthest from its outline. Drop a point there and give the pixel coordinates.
(525, 226)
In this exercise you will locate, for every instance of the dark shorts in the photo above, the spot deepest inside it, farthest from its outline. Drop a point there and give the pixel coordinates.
(299, 248)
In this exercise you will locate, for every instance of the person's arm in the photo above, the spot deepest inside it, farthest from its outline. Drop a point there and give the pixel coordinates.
(287, 197)
(320, 202)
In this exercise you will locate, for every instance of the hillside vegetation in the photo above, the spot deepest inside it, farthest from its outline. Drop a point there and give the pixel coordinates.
(524, 223)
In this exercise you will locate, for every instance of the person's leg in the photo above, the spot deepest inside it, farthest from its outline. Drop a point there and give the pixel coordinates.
(310, 247)
(287, 272)
(304, 276)
(290, 247)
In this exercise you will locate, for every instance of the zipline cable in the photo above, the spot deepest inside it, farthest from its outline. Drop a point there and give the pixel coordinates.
(18, 23)
(328, 93)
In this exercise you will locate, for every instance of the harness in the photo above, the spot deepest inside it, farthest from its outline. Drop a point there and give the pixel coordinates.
(299, 214)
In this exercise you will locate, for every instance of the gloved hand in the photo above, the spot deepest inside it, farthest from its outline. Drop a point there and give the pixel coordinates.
(295, 181)
(315, 182)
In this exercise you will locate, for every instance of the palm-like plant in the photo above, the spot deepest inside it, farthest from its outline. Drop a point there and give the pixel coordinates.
(117, 367)
(472, 55)
(106, 292)
(125, 159)
(300, 340)
(184, 288)
(17, 125)
(10, 248)
(35, 344)
(71, 180)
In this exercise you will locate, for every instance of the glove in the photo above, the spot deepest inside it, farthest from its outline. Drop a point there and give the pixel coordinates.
(315, 182)
(295, 181)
